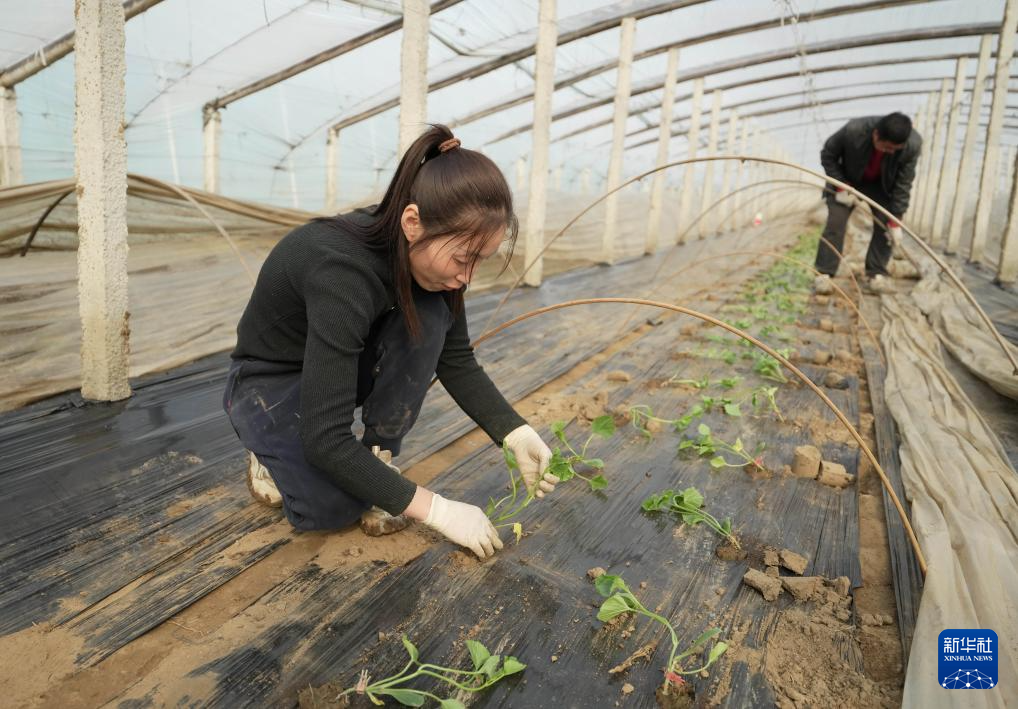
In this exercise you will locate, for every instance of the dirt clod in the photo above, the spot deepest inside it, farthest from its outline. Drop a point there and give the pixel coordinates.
(834, 474)
(627, 688)
(833, 380)
(826, 324)
(726, 551)
(842, 585)
(821, 357)
(796, 563)
(822, 300)
(670, 696)
(772, 571)
(323, 697)
(617, 375)
(770, 557)
(595, 572)
(806, 463)
(768, 586)
(802, 589)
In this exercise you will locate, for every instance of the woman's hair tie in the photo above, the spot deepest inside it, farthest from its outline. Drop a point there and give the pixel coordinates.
(448, 144)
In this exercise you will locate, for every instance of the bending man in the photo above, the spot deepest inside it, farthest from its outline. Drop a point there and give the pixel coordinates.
(878, 157)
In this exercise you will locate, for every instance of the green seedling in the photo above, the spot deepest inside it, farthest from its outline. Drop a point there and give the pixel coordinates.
(564, 466)
(695, 383)
(619, 599)
(488, 669)
(705, 444)
(510, 505)
(705, 382)
(641, 414)
(768, 367)
(688, 504)
(765, 395)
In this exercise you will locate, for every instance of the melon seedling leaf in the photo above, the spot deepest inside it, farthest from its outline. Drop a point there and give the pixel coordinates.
(692, 497)
(406, 697)
(451, 703)
(613, 606)
(512, 666)
(717, 462)
(510, 458)
(717, 651)
(490, 666)
(410, 648)
(603, 426)
(478, 653)
(598, 482)
(595, 463)
(558, 429)
(518, 531)
(606, 584)
(733, 410)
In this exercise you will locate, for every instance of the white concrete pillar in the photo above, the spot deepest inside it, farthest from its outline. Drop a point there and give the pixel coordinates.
(988, 177)
(1007, 267)
(965, 177)
(413, 78)
(622, 87)
(544, 87)
(948, 175)
(557, 178)
(692, 143)
(331, 169)
(100, 162)
(521, 175)
(935, 159)
(708, 178)
(10, 139)
(740, 169)
(729, 167)
(924, 161)
(663, 138)
(212, 123)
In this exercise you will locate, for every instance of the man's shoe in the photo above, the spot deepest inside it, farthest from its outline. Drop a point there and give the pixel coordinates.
(260, 483)
(376, 521)
(880, 284)
(822, 285)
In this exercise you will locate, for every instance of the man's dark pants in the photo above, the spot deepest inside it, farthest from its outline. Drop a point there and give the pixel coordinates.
(878, 255)
(262, 400)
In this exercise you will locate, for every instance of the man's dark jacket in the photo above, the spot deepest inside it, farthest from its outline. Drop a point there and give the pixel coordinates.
(846, 153)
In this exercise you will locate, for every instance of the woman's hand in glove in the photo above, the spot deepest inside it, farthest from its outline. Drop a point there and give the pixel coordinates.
(463, 524)
(533, 457)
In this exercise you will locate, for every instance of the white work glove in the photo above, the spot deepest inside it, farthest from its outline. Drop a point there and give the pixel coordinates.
(463, 524)
(844, 197)
(893, 233)
(533, 457)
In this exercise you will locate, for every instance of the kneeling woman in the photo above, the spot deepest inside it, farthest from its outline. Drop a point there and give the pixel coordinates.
(362, 310)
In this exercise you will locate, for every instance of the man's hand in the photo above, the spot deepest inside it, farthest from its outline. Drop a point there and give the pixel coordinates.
(893, 232)
(533, 457)
(463, 524)
(844, 197)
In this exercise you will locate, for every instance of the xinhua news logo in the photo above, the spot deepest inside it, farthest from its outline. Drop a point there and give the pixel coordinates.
(968, 659)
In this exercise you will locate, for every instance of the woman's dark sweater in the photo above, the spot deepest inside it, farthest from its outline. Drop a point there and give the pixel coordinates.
(317, 295)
